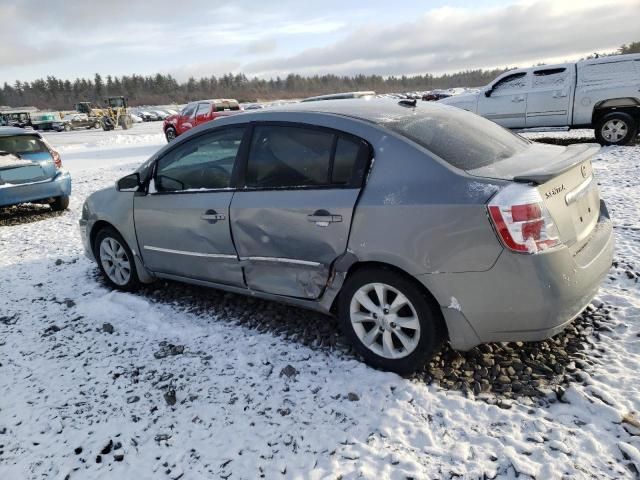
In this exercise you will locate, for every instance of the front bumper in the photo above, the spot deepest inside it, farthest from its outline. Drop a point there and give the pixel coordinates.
(524, 297)
(59, 186)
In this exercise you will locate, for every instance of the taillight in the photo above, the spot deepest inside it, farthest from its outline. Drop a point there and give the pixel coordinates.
(56, 159)
(522, 221)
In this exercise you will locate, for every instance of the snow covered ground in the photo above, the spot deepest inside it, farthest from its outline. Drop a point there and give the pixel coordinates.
(98, 384)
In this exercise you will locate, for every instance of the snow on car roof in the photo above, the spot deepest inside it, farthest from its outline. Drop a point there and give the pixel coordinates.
(375, 110)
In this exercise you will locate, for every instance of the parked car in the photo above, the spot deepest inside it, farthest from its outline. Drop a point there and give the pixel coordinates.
(15, 118)
(147, 116)
(31, 171)
(460, 229)
(160, 114)
(341, 96)
(601, 93)
(73, 121)
(46, 121)
(197, 113)
(435, 95)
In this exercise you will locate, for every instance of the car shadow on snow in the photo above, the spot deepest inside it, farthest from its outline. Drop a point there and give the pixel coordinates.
(496, 371)
(26, 213)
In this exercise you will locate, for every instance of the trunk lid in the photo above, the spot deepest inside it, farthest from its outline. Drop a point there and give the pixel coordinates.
(564, 179)
(27, 168)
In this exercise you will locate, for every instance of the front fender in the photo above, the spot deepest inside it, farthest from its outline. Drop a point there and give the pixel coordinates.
(115, 208)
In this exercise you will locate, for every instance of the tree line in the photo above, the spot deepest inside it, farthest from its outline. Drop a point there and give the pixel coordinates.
(158, 89)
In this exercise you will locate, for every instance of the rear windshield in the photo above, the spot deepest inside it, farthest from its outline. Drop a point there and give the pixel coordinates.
(22, 144)
(460, 138)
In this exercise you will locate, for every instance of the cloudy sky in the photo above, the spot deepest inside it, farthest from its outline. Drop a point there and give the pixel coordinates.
(78, 38)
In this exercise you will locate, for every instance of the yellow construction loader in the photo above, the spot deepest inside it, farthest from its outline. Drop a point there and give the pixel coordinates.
(116, 113)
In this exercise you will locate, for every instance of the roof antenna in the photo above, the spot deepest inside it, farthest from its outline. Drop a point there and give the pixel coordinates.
(408, 103)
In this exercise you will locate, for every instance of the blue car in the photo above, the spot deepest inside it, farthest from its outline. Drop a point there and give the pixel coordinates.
(31, 171)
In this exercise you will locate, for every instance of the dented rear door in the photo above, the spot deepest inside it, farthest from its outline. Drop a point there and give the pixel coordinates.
(292, 219)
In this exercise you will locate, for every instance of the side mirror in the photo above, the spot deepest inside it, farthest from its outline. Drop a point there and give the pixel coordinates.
(130, 183)
(488, 93)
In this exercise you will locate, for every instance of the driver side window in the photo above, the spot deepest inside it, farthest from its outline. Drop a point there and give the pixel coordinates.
(516, 82)
(202, 163)
(188, 110)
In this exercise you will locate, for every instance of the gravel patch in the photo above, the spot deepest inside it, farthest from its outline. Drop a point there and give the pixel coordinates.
(26, 213)
(492, 372)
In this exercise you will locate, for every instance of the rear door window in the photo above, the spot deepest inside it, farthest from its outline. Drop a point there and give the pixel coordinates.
(288, 156)
(551, 77)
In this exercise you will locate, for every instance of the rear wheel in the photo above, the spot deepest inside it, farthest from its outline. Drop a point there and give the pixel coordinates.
(389, 320)
(96, 125)
(170, 133)
(60, 203)
(67, 127)
(616, 128)
(115, 260)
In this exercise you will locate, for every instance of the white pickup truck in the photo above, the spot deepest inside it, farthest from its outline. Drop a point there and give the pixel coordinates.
(600, 93)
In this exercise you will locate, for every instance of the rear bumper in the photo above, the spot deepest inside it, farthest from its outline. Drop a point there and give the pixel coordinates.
(59, 186)
(524, 297)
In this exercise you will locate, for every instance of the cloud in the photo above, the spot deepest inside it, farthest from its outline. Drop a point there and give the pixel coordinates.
(448, 39)
(261, 46)
(315, 37)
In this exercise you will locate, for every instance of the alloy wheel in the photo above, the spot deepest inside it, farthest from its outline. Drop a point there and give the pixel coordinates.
(115, 261)
(384, 320)
(614, 130)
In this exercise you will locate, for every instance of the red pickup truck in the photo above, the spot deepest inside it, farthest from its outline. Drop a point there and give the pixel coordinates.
(197, 113)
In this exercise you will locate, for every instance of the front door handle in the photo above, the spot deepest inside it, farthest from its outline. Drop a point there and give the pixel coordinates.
(212, 216)
(518, 98)
(323, 218)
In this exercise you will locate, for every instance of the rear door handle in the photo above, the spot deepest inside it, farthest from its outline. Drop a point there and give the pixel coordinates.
(212, 216)
(323, 218)
(517, 99)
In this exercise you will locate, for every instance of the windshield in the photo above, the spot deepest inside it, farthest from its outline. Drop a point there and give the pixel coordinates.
(18, 144)
(460, 138)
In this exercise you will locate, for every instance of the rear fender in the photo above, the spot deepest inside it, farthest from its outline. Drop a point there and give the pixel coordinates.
(628, 105)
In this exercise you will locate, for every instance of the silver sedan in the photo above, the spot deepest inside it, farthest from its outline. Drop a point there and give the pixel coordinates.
(414, 223)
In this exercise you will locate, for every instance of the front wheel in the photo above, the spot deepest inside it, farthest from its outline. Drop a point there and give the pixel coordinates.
(616, 128)
(389, 320)
(115, 260)
(170, 133)
(60, 203)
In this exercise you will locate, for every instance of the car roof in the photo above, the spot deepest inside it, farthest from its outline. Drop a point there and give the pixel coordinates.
(340, 96)
(6, 131)
(374, 110)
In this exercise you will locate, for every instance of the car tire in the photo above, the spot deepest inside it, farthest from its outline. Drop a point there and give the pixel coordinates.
(60, 203)
(96, 125)
(616, 128)
(400, 342)
(67, 127)
(170, 134)
(115, 260)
